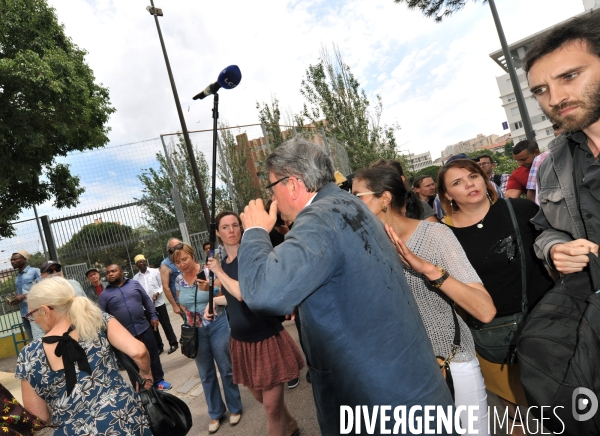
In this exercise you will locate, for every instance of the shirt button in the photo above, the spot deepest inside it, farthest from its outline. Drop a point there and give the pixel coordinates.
(588, 155)
(589, 215)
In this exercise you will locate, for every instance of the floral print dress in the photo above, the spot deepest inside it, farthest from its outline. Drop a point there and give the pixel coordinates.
(101, 404)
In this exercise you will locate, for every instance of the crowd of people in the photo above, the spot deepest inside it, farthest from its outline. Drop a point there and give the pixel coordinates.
(388, 303)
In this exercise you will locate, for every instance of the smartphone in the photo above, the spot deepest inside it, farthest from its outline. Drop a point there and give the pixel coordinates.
(201, 275)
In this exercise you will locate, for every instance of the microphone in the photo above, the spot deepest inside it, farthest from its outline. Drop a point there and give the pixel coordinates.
(229, 78)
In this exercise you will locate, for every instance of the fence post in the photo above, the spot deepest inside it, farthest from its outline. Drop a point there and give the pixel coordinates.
(264, 130)
(227, 176)
(175, 196)
(37, 222)
(49, 238)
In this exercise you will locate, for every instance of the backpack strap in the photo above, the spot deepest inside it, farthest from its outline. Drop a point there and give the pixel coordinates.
(521, 255)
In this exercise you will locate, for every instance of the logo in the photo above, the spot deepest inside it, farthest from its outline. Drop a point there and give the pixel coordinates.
(585, 404)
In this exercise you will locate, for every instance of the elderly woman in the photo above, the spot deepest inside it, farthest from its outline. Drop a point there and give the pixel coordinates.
(484, 228)
(439, 275)
(213, 339)
(265, 356)
(70, 375)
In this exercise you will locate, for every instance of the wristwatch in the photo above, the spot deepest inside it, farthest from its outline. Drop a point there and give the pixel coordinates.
(438, 282)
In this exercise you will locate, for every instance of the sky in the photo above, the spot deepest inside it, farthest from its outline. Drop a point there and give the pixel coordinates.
(436, 80)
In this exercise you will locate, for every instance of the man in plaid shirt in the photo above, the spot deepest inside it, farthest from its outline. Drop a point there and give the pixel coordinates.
(531, 181)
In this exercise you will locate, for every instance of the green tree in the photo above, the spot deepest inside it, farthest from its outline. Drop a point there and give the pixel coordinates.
(100, 244)
(439, 9)
(332, 92)
(432, 171)
(50, 105)
(270, 117)
(236, 159)
(157, 196)
(508, 148)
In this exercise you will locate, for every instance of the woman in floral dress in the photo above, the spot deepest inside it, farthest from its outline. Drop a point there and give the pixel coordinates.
(70, 376)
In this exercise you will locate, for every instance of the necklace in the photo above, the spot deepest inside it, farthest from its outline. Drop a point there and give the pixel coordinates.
(480, 224)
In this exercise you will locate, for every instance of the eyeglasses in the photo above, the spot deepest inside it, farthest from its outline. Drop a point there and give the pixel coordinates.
(269, 187)
(29, 316)
(53, 270)
(175, 248)
(360, 194)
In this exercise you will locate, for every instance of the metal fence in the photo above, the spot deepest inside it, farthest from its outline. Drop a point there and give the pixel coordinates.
(138, 195)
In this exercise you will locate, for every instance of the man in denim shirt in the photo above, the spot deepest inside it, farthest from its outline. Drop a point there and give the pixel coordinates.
(26, 278)
(361, 327)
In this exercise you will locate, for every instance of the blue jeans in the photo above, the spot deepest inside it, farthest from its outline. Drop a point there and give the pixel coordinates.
(213, 346)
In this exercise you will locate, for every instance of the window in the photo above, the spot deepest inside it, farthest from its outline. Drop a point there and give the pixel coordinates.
(549, 132)
(511, 98)
(518, 125)
(522, 138)
(514, 111)
(544, 117)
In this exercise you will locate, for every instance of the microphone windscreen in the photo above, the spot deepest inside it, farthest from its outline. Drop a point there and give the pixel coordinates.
(230, 77)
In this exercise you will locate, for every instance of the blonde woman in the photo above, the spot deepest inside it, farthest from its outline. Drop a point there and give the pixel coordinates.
(70, 375)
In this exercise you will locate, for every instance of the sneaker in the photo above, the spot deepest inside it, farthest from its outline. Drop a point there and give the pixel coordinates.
(293, 383)
(163, 385)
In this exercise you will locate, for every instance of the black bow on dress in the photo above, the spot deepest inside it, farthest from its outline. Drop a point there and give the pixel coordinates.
(71, 352)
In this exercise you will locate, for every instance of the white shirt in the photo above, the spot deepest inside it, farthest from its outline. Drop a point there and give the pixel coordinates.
(152, 284)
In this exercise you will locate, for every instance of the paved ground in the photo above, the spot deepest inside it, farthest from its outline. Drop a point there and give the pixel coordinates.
(183, 374)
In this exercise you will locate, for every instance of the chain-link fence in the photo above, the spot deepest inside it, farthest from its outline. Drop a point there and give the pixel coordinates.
(139, 195)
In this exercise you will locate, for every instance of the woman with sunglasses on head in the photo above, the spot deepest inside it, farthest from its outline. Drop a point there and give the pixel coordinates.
(264, 355)
(213, 338)
(90, 397)
(439, 275)
(483, 226)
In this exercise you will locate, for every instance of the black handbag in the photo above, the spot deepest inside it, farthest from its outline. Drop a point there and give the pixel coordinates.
(189, 334)
(167, 414)
(496, 341)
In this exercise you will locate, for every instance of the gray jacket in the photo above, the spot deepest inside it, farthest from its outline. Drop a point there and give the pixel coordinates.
(559, 216)
(90, 291)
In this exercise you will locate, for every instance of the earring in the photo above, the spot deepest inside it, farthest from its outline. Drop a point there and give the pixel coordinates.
(490, 198)
(384, 209)
(453, 204)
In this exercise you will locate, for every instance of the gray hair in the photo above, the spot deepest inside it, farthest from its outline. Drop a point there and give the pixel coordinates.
(304, 160)
(169, 241)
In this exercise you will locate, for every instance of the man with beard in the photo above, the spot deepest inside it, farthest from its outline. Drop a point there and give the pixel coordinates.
(27, 276)
(126, 300)
(563, 70)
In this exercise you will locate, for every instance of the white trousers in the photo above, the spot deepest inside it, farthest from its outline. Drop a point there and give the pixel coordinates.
(469, 390)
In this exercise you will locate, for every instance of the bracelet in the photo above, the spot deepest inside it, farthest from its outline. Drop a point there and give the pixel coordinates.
(438, 282)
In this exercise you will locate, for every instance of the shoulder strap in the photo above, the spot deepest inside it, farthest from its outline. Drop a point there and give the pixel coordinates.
(521, 255)
(195, 296)
(124, 360)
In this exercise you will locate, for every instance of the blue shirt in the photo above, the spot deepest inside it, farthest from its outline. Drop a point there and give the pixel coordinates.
(174, 273)
(127, 303)
(25, 281)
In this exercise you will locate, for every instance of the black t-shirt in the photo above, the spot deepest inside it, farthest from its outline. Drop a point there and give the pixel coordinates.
(245, 325)
(493, 251)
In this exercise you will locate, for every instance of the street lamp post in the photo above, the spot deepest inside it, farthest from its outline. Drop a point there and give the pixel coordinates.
(513, 75)
(157, 12)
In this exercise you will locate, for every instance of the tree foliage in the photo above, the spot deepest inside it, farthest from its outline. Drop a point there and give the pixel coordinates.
(50, 105)
(439, 9)
(157, 195)
(332, 92)
(508, 148)
(431, 171)
(236, 170)
(103, 244)
(270, 117)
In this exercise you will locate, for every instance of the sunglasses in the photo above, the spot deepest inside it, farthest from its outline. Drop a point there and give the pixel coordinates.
(53, 270)
(29, 316)
(175, 248)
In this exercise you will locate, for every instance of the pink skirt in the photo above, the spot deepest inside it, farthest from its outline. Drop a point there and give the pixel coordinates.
(262, 365)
